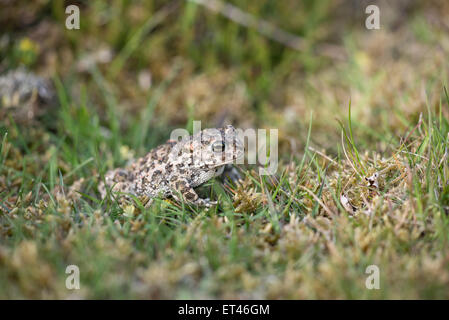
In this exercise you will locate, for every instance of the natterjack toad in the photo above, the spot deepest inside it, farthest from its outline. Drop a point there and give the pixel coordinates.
(175, 168)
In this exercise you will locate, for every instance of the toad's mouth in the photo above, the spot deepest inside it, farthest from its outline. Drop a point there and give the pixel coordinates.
(228, 162)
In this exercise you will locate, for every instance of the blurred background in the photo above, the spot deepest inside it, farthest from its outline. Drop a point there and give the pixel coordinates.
(181, 60)
(135, 70)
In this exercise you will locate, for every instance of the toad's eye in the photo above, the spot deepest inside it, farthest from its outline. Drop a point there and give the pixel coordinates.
(218, 146)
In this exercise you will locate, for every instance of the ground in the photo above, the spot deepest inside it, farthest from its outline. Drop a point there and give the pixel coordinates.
(348, 103)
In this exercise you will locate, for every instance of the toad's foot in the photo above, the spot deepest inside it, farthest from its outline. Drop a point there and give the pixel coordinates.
(205, 203)
(183, 191)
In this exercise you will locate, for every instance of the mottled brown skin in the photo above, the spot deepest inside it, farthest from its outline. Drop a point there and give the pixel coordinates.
(175, 168)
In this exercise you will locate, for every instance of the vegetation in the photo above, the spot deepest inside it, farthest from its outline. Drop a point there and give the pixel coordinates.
(349, 104)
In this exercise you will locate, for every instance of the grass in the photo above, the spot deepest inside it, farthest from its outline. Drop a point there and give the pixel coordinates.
(383, 108)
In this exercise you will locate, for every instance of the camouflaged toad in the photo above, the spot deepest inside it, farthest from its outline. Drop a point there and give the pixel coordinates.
(175, 168)
(24, 95)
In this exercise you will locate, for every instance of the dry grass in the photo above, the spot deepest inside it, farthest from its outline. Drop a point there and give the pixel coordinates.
(369, 188)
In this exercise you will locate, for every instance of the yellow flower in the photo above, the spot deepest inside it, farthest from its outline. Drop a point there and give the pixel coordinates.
(27, 45)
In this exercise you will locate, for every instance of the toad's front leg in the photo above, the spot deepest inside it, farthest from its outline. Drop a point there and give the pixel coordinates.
(181, 190)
